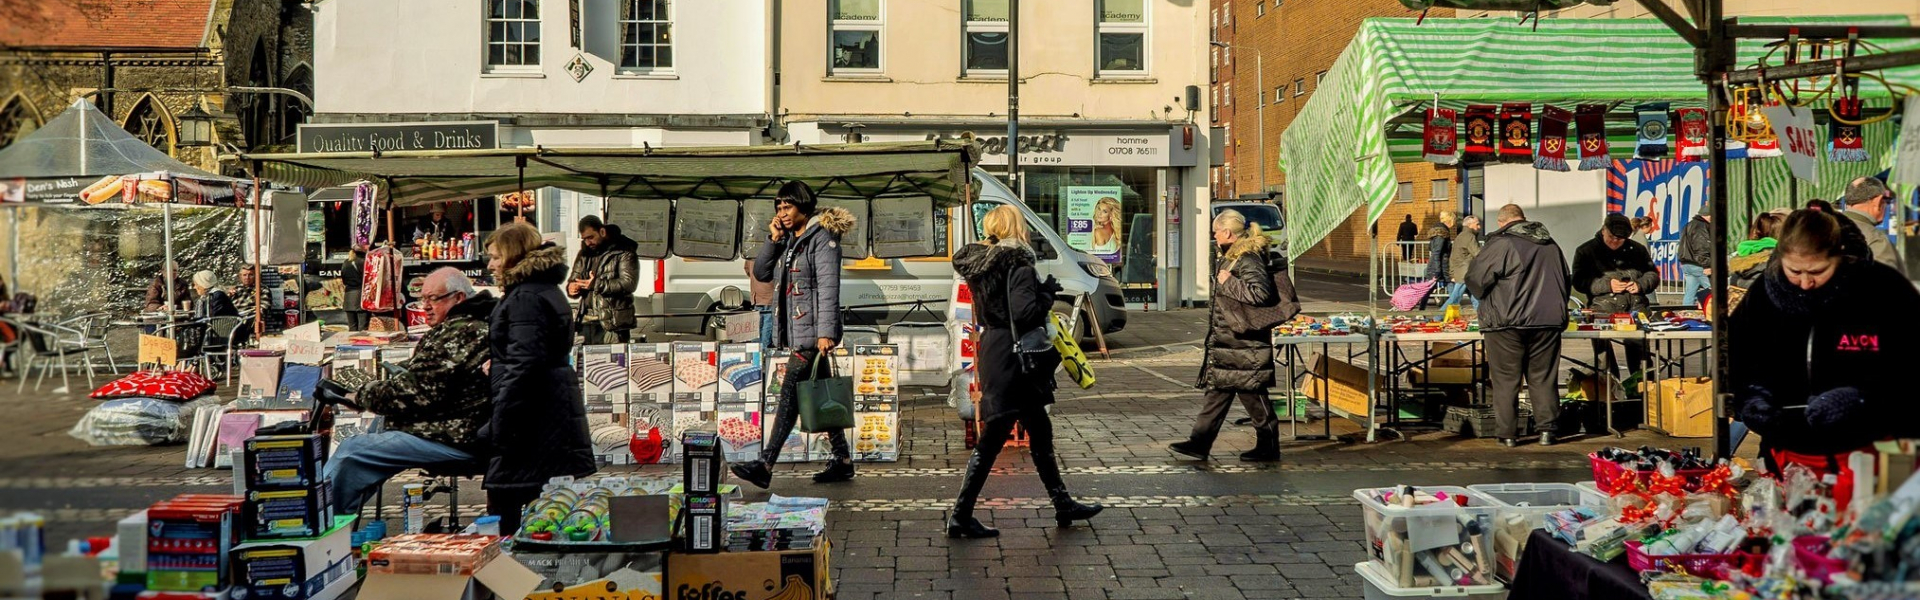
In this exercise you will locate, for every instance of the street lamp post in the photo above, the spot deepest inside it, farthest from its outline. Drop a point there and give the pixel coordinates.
(1260, 112)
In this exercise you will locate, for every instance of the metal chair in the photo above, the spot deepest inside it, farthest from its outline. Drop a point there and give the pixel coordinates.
(93, 337)
(48, 341)
(222, 340)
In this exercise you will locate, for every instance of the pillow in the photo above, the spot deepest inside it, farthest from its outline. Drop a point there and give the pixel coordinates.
(178, 386)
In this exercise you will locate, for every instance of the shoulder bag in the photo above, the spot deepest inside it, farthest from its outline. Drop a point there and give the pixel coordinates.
(1031, 348)
(826, 403)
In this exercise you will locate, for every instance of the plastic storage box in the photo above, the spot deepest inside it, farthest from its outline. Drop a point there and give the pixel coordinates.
(1412, 545)
(1379, 587)
(1523, 508)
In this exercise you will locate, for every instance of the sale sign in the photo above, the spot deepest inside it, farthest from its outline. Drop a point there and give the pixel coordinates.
(1669, 192)
(1799, 141)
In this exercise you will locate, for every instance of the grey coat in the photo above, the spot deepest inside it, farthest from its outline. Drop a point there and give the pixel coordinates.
(1239, 360)
(805, 271)
(1465, 247)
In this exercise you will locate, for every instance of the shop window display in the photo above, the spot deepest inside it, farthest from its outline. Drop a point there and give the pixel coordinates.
(1103, 211)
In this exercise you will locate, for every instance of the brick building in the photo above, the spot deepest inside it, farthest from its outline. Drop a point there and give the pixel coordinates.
(145, 62)
(1297, 41)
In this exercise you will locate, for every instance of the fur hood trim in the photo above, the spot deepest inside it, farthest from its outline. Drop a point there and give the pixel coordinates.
(976, 259)
(546, 264)
(834, 219)
(1248, 244)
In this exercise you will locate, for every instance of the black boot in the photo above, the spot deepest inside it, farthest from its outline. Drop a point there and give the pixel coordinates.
(837, 471)
(1065, 509)
(1266, 447)
(1189, 448)
(960, 522)
(756, 472)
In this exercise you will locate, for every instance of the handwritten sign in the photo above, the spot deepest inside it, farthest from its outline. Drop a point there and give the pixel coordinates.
(1906, 166)
(743, 327)
(1799, 141)
(158, 350)
(305, 352)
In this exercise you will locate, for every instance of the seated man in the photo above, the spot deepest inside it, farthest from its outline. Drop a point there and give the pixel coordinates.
(434, 409)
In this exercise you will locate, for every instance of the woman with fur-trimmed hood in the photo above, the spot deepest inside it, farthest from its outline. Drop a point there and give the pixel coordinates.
(1239, 358)
(802, 260)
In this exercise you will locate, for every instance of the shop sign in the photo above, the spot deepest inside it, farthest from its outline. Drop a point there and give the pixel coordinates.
(1668, 191)
(997, 145)
(391, 137)
(1079, 148)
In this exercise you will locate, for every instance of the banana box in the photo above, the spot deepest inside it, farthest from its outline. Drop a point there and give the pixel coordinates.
(788, 575)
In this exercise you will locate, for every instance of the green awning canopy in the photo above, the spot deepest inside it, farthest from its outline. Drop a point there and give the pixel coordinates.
(934, 168)
(1338, 153)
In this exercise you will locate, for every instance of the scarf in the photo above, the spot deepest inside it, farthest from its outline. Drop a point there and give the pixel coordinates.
(1480, 124)
(1442, 144)
(1693, 133)
(1653, 121)
(1796, 302)
(1516, 132)
(1553, 139)
(1752, 247)
(1592, 119)
(1846, 145)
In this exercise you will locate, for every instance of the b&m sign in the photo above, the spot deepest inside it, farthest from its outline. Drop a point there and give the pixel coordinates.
(1670, 192)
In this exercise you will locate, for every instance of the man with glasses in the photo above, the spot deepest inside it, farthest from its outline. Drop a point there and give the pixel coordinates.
(1866, 201)
(433, 410)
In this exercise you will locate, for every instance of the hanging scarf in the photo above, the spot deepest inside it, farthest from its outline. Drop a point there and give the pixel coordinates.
(1516, 132)
(1752, 127)
(1592, 120)
(1553, 139)
(1480, 124)
(1692, 140)
(1846, 144)
(364, 215)
(1653, 120)
(1442, 143)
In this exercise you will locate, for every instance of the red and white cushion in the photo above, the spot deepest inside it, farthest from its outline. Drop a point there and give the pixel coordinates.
(178, 386)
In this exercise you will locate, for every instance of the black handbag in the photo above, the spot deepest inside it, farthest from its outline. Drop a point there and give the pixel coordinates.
(1033, 348)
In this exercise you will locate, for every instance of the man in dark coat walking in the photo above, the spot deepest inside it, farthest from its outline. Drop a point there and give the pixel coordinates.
(1696, 256)
(1406, 234)
(1617, 276)
(1521, 279)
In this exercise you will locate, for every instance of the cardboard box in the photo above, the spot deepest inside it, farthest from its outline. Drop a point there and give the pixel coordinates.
(284, 461)
(1345, 387)
(503, 576)
(790, 575)
(705, 466)
(314, 568)
(1680, 407)
(1455, 354)
(597, 575)
(295, 513)
(706, 523)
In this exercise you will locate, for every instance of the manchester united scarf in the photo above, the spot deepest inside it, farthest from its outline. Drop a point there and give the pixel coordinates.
(1516, 132)
(1692, 140)
(1442, 142)
(1553, 139)
(1845, 144)
(1653, 120)
(1480, 123)
(1592, 121)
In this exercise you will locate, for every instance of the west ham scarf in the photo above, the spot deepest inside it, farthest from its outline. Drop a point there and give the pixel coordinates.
(1693, 133)
(1442, 142)
(1516, 132)
(1553, 139)
(1846, 144)
(1653, 120)
(1480, 123)
(1592, 121)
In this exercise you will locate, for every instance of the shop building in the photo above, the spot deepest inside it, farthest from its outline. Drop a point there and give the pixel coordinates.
(1107, 134)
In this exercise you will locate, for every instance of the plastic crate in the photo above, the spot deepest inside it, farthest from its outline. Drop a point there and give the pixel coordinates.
(1478, 421)
(1392, 529)
(1591, 487)
(1524, 507)
(1380, 587)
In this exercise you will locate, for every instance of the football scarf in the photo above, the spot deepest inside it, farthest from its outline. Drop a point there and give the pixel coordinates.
(1845, 143)
(1750, 126)
(1692, 140)
(1553, 139)
(1442, 143)
(1516, 132)
(1652, 118)
(1480, 123)
(1592, 121)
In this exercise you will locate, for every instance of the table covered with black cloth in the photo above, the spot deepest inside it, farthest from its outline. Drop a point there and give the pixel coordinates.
(1549, 569)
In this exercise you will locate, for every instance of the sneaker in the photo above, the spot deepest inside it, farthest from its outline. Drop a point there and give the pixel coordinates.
(756, 473)
(836, 472)
(1188, 449)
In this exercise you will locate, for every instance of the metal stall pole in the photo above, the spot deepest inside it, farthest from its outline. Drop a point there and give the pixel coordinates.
(1717, 57)
(1013, 101)
(166, 242)
(1373, 331)
(259, 308)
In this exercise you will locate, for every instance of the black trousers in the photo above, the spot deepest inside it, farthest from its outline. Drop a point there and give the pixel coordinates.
(800, 368)
(508, 503)
(595, 334)
(986, 450)
(357, 320)
(1606, 360)
(1532, 354)
(1259, 406)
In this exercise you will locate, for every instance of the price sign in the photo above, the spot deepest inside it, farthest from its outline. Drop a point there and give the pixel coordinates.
(158, 350)
(1799, 141)
(305, 352)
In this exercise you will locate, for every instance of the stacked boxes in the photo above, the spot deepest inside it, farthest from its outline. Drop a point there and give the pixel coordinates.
(740, 396)
(316, 568)
(286, 495)
(650, 396)
(434, 554)
(188, 538)
(704, 509)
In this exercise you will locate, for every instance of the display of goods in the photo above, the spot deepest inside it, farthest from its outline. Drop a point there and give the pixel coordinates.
(695, 372)
(736, 430)
(1618, 471)
(139, 421)
(433, 554)
(647, 372)
(178, 386)
(1439, 532)
(1711, 566)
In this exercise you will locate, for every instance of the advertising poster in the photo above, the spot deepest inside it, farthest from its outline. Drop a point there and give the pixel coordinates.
(646, 221)
(1667, 191)
(1094, 220)
(903, 227)
(876, 403)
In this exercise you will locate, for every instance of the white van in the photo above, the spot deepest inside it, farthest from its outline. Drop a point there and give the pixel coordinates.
(695, 285)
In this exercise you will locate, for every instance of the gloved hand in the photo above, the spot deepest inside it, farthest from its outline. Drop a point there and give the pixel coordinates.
(331, 392)
(1757, 409)
(1051, 285)
(1836, 408)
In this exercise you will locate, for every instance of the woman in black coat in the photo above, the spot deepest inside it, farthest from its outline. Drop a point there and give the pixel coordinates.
(1009, 298)
(353, 274)
(1239, 357)
(539, 426)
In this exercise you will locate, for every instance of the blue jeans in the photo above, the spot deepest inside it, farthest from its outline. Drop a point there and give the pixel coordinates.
(1455, 291)
(766, 327)
(1736, 433)
(1694, 284)
(363, 462)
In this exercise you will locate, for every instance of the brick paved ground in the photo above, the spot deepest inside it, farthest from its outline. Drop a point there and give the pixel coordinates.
(1174, 529)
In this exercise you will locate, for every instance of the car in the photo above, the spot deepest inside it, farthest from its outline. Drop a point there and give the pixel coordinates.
(1265, 214)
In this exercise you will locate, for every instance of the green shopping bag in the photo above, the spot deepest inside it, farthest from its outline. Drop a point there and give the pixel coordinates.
(826, 403)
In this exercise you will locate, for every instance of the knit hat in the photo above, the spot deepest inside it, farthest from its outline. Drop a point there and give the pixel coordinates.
(1706, 209)
(1618, 225)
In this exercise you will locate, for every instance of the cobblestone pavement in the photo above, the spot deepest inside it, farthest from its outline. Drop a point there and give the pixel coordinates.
(1174, 529)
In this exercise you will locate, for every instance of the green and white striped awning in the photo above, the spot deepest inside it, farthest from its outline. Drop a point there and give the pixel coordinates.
(1338, 153)
(934, 168)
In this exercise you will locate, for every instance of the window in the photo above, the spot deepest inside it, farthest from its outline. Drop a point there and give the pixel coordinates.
(986, 37)
(513, 34)
(1229, 94)
(1279, 94)
(1439, 191)
(148, 122)
(1259, 8)
(1299, 87)
(1319, 77)
(1122, 38)
(855, 43)
(1226, 18)
(1216, 99)
(646, 30)
(1406, 191)
(1277, 3)
(17, 119)
(1226, 137)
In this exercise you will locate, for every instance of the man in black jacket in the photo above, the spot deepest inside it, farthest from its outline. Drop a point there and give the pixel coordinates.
(1616, 274)
(1696, 256)
(1406, 234)
(605, 274)
(1521, 279)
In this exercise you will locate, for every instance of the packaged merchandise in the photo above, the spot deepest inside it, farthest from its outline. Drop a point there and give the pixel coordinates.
(1430, 535)
(795, 447)
(604, 377)
(284, 461)
(705, 515)
(649, 409)
(696, 376)
(316, 568)
(705, 465)
(188, 540)
(433, 554)
(876, 403)
(287, 513)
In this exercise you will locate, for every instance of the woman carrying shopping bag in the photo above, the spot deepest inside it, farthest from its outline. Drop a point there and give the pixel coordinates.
(1016, 375)
(1251, 295)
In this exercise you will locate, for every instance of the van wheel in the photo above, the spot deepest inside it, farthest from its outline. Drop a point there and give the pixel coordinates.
(1065, 310)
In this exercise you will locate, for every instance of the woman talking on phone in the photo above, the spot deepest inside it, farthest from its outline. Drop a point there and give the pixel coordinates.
(1009, 299)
